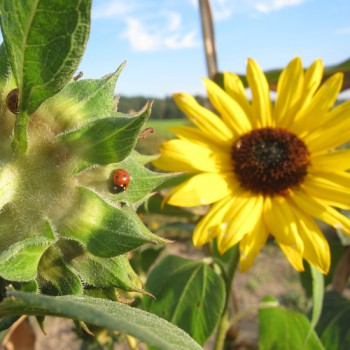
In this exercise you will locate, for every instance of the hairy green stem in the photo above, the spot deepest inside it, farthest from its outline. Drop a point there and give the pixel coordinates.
(224, 322)
(249, 310)
(20, 137)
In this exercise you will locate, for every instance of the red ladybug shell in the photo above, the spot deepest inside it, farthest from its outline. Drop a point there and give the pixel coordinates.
(121, 180)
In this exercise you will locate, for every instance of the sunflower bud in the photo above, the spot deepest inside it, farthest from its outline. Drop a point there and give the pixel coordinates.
(63, 226)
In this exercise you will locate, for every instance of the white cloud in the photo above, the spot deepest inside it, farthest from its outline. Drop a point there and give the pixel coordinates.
(139, 38)
(159, 25)
(112, 9)
(275, 5)
(345, 30)
(222, 9)
(151, 25)
(179, 42)
(160, 30)
(174, 20)
(225, 9)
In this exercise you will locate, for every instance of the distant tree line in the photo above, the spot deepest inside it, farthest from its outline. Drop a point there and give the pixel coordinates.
(163, 108)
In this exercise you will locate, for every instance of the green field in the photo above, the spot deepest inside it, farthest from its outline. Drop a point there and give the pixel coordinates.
(151, 143)
(162, 127)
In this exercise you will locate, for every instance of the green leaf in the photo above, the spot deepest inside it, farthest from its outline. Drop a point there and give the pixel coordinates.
(101, 293)
(280, 328)
(144, 158)
(188, 293)
(145, 257)
(55, 277)
(306, 279)
(154, 206)
(4, 67)
(333, 326)
(144, 229)
(7, 322)
(227, 257)
(106, 140)
(176, 180)
(30, 286)
(83, 100)
(101, 228)
(45, 41)
(142, 180)
(306, 276)
(20, 261)
(112, 315)
(317, 295)
(95, 271)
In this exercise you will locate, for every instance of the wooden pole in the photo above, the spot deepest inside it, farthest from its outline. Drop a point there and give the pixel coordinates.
(208, 37)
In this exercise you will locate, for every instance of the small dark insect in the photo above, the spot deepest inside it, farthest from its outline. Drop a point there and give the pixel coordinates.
(145, 133)
(121, 180)
(12, 101)
(78, 76)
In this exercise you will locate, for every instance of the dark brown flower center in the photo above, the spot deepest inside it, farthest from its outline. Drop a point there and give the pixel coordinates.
(270, 161)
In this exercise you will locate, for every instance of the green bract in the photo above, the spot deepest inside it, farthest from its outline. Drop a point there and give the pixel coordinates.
(62, 226)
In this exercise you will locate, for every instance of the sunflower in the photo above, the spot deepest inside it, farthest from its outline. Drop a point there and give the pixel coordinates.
(266, 168)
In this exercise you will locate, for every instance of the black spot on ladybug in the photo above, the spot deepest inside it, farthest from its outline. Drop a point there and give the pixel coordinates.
(12, 101)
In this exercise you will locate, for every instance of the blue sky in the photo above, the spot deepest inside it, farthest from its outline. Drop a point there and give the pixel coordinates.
(162, 40)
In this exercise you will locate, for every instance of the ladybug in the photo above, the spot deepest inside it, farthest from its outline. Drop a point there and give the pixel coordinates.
(121, 180)
(12, 100)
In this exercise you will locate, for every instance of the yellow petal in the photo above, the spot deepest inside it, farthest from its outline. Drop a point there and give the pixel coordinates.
(167, 163)
(242, 218)
(340, 178)
(281, 222)
(316, 248)
(289, 92)
(319, 210)
(261, 102)
(315, 114)
(333, 133)
(244, 215)
(231, 112)
(331, 161)
(329, 191)
(202, 189)
(251, 245)
(294, 257)
(235, 88)
(226, 241)
(205, 230)
(195, 156)
(206, 120)
(312, 80)
(197, 136)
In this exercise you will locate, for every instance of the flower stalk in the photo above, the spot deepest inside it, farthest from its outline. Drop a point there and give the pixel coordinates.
(20, 137)
(224, 323)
